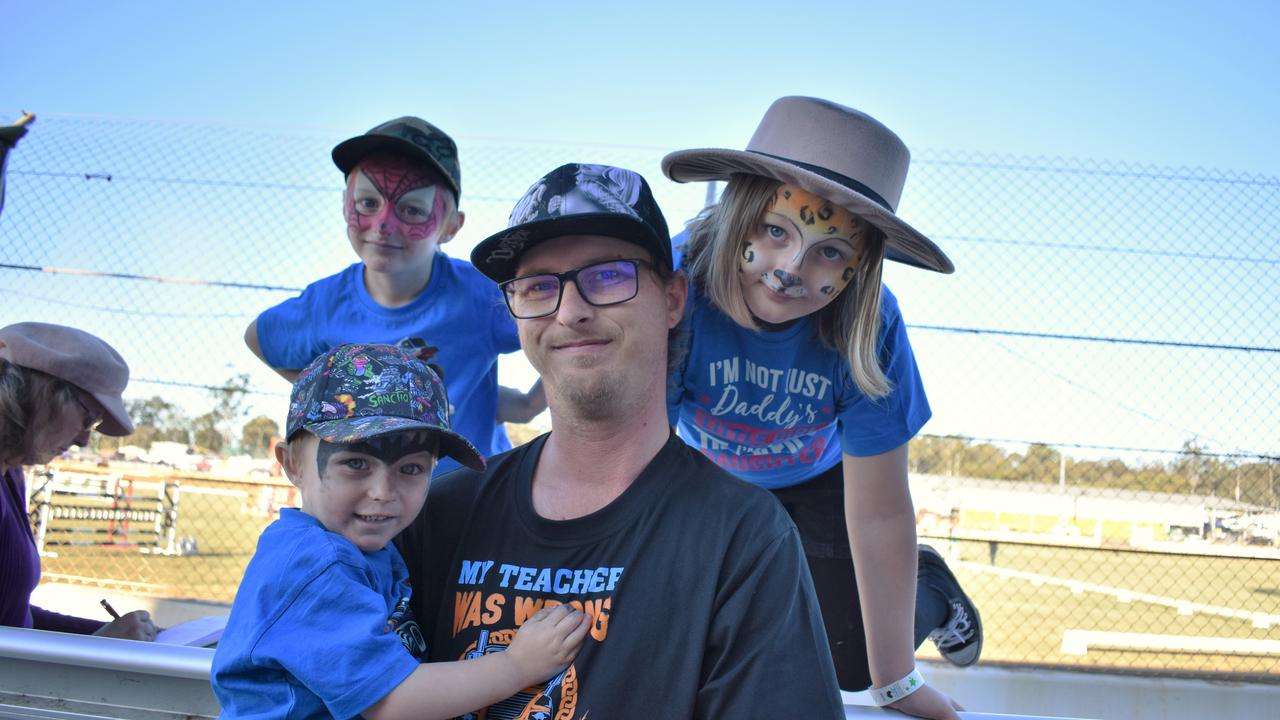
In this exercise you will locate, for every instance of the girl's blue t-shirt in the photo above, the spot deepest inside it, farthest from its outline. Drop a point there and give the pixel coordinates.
(777, 408)
(460, 311)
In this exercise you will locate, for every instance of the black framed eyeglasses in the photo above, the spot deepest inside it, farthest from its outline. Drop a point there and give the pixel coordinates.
(600, 284)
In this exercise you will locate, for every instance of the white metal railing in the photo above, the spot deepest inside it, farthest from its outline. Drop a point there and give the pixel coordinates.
(56, 675)
(65, 675)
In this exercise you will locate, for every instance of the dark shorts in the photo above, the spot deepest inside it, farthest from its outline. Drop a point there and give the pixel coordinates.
(817, 508)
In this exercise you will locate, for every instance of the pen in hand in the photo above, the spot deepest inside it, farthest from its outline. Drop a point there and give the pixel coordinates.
(107, 606)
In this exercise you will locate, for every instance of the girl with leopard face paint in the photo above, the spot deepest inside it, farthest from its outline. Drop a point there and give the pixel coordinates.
(801, 256)
(798, 376)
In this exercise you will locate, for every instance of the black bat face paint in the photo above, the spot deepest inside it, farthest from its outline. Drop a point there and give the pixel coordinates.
(388, 448)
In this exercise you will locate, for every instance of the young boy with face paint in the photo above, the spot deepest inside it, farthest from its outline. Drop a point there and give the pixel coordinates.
(800, 378)
(321, 624)
(403, 184)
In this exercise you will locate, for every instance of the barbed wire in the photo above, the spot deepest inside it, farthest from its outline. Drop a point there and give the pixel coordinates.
(937, 328)
(1093, 338)
(1116, 249)
(163, 279)
(1062, 167)
(167, 180)
(98, 307)
(212, 388)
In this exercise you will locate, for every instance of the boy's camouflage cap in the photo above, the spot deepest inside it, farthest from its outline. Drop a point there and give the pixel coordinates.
(356, 392)
(410, 136)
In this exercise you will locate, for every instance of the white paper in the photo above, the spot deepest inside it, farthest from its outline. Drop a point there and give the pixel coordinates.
(198, 633)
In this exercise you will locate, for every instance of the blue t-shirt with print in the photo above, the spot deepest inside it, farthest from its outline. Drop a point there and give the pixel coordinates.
(460, 311)
(777, 408)
(318, 627)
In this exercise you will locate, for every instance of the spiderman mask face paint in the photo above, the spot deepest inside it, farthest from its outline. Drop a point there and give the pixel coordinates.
(804, 252)
(397, 212)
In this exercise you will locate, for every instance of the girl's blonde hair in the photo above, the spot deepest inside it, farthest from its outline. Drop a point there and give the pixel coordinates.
(850, 324)
(27, 399)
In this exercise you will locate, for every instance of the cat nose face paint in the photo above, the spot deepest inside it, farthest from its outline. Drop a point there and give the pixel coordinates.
(804, 253)
(394, 209)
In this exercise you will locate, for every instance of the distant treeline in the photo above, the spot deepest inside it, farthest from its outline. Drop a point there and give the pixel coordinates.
(1193, 471)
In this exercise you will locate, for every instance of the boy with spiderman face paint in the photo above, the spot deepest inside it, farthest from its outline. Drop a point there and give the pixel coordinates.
(400, 204)
(321, 624)
(397, 214)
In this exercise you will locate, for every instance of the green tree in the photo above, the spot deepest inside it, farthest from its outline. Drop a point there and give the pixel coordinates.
(156, 419)
(1040, 464)
(985, 460)
(208, 435)
(937, 455)
(228, 405)
(1196, 468)
(257, 435)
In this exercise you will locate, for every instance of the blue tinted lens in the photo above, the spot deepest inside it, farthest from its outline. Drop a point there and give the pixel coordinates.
(608, 282)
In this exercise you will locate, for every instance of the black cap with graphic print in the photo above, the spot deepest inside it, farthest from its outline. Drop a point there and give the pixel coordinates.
(577, 199)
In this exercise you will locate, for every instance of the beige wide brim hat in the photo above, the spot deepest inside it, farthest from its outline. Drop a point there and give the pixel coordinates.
(836, 152)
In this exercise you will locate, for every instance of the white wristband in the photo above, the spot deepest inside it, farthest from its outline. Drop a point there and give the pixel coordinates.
(895, 691)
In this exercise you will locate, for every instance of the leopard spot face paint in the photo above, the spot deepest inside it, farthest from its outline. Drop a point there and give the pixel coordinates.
(801, 257)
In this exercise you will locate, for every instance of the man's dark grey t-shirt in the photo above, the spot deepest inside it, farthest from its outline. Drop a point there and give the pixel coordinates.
(700, 598)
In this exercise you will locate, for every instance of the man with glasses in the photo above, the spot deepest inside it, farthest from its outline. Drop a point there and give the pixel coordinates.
(698, 592)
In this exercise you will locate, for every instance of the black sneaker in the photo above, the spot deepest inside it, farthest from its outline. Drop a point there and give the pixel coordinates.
(959, 639)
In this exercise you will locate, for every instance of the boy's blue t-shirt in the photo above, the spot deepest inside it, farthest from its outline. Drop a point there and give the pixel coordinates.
(460, 311)
(318, 628)
(778, 408)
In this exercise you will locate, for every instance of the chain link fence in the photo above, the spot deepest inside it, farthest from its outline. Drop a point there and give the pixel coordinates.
(1103, 368)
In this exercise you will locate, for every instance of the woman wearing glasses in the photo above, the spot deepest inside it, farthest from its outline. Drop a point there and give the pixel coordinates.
(57, 385)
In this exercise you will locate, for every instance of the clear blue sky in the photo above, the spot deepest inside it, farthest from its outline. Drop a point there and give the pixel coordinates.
(1171, 82)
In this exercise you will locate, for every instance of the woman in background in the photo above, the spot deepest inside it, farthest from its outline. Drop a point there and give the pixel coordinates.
(57, 384)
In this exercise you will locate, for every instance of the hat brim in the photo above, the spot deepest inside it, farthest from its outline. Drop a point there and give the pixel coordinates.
(903, 243)
(498, 256)
(115, 420)
(348, 154)
(349, 430)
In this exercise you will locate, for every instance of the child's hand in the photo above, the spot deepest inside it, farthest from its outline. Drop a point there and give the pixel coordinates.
(547, 642)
